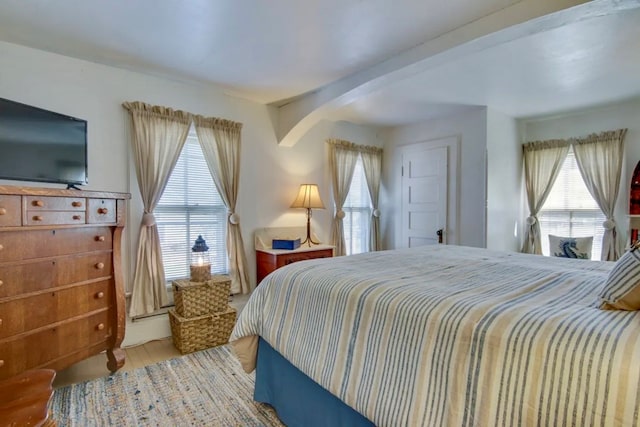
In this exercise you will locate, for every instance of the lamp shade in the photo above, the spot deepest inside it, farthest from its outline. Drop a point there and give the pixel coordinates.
(200, 245)
(308, 197)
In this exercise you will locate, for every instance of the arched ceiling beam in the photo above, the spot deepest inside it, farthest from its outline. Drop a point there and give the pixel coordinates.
(296, 117)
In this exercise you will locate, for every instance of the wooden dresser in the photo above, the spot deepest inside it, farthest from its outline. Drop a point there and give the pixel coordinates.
(61, 290)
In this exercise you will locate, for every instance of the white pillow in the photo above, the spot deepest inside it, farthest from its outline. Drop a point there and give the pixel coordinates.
(622, 288)
(570, 247)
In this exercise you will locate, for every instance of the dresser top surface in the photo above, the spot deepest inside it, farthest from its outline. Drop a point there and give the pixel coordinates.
(59, 192)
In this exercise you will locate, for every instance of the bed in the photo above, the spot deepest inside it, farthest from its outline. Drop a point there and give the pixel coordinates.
(446, 335)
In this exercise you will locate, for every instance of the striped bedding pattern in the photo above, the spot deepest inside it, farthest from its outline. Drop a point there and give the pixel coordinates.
(454, 336)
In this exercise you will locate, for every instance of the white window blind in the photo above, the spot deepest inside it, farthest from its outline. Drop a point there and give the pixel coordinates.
(191, 206)
(357, 209)
(570, 211)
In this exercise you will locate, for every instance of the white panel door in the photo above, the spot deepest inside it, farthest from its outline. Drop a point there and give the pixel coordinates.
(424, 194)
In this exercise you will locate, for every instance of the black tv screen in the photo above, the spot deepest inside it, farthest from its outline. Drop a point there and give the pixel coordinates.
(40, 145)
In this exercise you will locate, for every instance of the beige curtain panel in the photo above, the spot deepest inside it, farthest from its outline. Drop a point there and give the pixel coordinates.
(343, 156)
(372, 165)
(220, 141)
(542, 163)
(158, 135)
(599, 158)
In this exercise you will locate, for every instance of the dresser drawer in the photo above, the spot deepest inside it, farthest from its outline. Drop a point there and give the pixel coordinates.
(46, 203)
(45, 346)
(54, 217)
(32, 244)
(301, 256)
(23, 278)
(268, 261)
(25, 314)
(101, 211)
(85, 267)
(20, 279)
(10, 211)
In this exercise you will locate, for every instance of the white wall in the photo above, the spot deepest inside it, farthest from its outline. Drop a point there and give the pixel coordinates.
(306, 162)
(471, 129)
(504, 172)
(616, 116)
(270, 174)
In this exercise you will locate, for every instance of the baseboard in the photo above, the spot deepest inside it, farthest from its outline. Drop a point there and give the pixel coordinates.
(146, 329)
(156, 325)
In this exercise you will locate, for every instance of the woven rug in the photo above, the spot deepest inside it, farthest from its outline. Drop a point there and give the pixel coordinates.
(206, 388)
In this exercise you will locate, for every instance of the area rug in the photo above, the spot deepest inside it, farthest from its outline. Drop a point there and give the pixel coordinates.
(206, 388)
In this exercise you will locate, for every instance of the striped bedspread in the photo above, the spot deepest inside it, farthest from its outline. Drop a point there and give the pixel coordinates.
(454, 336)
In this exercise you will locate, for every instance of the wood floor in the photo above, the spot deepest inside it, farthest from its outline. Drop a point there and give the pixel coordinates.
(136, 357)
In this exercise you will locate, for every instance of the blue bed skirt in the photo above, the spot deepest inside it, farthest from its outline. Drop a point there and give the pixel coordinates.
(298, 400)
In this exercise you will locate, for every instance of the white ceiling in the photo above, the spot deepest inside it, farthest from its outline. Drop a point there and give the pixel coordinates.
(270, 51)
(584, 64)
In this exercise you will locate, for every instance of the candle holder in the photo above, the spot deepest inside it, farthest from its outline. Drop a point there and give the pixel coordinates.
(200, 264)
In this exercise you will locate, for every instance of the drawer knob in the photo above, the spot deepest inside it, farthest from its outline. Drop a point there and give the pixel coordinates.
(100, 295)
(1, 363)
(76, 217)
(0, 322)
(3, 211)
(103, 211)
(1, 283)
(100, 265)
(1, 247)
(100, 326)
(100, 238)
(37, 218)
(38, 203)
(76, 204)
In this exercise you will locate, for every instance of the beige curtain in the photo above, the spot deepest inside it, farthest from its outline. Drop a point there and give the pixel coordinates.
(372, 165)
(220, 141)
(542, 163)
(343, 156)
(158, 135)
(599, 158)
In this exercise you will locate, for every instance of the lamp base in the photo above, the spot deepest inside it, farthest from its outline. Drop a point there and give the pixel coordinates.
(309, 240)
(200, 273)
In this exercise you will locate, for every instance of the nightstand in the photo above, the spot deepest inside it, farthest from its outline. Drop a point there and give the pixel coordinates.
(268, 260)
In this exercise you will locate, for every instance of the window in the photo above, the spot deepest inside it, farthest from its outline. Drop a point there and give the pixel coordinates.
(191, 205)
(570, 210)
(357, 209)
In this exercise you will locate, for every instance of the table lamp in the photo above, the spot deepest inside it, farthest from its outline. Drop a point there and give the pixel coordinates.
(308, 198)
(200, 264)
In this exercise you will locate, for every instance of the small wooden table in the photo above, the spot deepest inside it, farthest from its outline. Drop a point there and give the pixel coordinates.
(24, 398)
(267, 260)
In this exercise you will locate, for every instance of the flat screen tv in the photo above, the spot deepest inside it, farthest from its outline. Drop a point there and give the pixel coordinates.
(40, 145)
